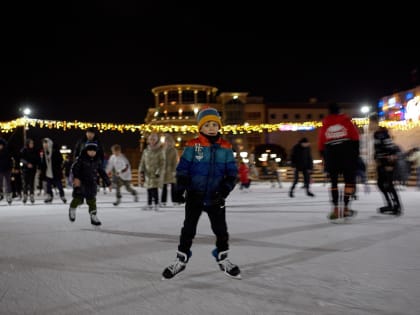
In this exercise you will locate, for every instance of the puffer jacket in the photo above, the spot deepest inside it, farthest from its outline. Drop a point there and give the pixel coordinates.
(87, 170)
(206, 169)
(151, 167)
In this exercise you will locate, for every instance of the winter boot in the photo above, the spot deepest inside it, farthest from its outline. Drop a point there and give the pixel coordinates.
(72, 214)
(230, 269)
(94, 219)
(177, 266)
(25, 198)
(32, 198)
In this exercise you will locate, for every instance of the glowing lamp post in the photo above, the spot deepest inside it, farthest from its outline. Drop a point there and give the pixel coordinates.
(365, 110)
(26, 112)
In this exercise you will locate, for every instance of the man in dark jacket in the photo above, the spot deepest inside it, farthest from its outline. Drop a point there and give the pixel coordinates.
(29, 159)
(301, 158)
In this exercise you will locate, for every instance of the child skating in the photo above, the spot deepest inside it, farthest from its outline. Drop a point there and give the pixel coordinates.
(207, 172)
(85, 176)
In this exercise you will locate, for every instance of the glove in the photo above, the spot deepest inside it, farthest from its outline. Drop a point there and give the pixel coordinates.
(179, 196)
(77, 193)
(227, 186)
(219, 200)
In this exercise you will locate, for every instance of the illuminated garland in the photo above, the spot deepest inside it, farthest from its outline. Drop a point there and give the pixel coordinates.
(10, 126)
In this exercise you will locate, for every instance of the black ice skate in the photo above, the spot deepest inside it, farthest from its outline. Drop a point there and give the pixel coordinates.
(397, 211)
(49, 199)
(177, 266)
(229, 269)
(385, 210)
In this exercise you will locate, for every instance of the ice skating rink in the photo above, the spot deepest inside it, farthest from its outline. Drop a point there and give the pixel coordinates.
(293, 260)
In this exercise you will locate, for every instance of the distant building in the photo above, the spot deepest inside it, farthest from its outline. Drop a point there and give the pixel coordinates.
(178, 104)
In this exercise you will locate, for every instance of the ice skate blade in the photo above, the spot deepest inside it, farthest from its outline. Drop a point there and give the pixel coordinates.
(238, 277)
(337, 221)
(166, 279)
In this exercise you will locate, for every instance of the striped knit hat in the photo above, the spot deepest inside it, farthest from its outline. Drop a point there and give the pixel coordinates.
(206, 115)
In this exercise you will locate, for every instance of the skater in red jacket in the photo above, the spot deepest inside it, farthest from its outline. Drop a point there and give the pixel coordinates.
(338, 144)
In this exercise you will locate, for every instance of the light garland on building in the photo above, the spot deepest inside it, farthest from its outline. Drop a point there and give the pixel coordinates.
(10, 126)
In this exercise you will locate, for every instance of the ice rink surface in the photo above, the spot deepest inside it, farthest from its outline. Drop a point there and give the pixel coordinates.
(293, 260)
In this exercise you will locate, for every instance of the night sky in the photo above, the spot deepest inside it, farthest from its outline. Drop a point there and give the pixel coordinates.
(72, 62)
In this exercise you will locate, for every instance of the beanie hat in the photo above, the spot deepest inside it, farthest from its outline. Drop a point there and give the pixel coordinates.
(206, 115)
(91, 146)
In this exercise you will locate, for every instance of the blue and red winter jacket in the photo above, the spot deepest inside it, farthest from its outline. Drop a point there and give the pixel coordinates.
(206, 169)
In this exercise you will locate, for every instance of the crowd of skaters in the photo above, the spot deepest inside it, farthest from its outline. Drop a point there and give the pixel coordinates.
(34, 171)
(41, 170)
(202, 177)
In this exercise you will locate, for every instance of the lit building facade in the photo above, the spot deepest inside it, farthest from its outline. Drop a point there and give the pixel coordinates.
(179, 104)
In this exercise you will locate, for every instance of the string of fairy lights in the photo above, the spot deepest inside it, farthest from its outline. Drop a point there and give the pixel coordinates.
(27, 122)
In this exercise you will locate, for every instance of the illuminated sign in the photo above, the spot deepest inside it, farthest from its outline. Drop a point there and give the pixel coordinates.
(412, 110)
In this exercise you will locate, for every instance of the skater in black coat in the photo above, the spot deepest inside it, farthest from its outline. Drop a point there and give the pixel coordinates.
(301, 158)
(30, 161)
(86, 170)
(386, 155)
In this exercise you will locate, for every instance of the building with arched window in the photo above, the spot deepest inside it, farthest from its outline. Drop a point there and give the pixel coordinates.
(179, 104)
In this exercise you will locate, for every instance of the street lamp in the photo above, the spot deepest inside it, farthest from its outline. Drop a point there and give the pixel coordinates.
(365, 111)
(26, 112)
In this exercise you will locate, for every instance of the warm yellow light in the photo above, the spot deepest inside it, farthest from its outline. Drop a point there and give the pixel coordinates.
(10, 126)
